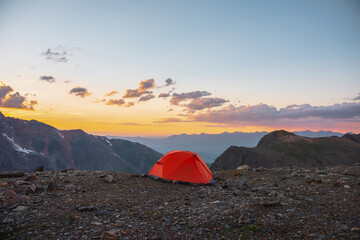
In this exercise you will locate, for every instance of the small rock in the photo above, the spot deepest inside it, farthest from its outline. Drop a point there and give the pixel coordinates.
(347, 186)
(271, 204)
(30, 178)
(3, 184)
(355, 229)
(33, 187)
(19, 182)
(321, 172)
(337, 183)
(257, 169)
(309, 200)
(110, 235)
(96, 223)
(10, 174)
(109, 178)
(294, 174)
(9, 198)
(87, 208)
(39, 169)
(20, 208)
(243, 219)
(8, 221)
(103, 213)
(256, 189)
(237, 172)
(243, 167)
(69, 187)
(52, 186)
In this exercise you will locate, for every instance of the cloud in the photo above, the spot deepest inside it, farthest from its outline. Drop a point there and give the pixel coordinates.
(265, 113)
(49, 79)
(111, 93)
(129, 104)
(118, 102)
(357, 98)
(57, 55)
(99, 100)
(14, 100)
(80, 91)
(146, 98)
(141, 90)
(202, 103)
(169, 82)
(4, 90)
(168, 120)
(164, 95)
(177, 98)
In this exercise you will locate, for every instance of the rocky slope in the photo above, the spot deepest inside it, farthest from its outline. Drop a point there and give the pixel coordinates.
(26, 145)
(281, 148)
(277, 203)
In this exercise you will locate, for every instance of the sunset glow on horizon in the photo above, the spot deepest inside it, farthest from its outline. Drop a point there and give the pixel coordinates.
(158, 68)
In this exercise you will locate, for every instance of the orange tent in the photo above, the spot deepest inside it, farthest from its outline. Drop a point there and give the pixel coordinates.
(183, 166)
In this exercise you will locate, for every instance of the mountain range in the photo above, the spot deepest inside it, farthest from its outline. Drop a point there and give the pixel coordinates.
(210, 146)
(282, 148)
(26, 145)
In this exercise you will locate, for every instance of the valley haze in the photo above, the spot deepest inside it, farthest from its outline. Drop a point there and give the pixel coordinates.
(210, 146)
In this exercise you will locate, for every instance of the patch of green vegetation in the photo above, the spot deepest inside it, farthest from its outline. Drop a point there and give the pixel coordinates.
(70, 216)
(244, 231)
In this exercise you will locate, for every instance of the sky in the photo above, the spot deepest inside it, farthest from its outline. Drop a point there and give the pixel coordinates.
(158, 67)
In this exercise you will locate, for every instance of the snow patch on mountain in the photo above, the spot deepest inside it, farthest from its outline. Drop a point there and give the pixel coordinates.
(17, 147)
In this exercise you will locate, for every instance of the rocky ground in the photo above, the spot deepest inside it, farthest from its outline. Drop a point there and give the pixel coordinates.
(283, 203)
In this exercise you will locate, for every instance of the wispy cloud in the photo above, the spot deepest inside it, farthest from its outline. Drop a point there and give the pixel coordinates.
(80, 91)
(265, 113)
(146, 98)
(49, 79)
(118, 102)
(164, 95)
(8, 99)
(169, 120)
(179, 97)
(59, 54)
(129, 104)
(202, 103)
(111, 93)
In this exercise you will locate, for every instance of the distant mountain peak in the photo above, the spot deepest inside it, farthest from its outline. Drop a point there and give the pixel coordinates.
(273, 136)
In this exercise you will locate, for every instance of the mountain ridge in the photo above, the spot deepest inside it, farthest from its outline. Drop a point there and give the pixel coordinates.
(284, 149)
(211, 146)
(25, 145)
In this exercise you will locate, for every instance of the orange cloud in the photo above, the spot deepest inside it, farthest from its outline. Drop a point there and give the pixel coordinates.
(141, 90)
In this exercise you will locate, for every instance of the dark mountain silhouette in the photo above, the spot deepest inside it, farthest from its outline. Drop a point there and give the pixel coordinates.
(210, 146)
(25, 145)
(281, 148)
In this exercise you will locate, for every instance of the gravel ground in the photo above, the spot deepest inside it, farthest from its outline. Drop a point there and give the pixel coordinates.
(282, 203)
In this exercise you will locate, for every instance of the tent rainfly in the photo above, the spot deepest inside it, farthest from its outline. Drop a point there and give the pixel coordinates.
(182, 166)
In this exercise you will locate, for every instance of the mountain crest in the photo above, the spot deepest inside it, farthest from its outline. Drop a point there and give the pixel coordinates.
(273, 137)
